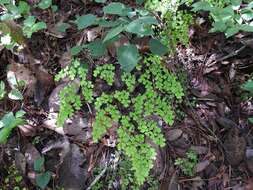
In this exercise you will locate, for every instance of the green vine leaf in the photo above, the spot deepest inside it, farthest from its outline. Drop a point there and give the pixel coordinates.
(43, 179)
(85, 21)
(157, 47)
(128, 57)
(115, 9)
(44, 4)
(114, 32)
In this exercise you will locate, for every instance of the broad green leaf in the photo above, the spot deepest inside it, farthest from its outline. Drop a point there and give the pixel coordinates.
(2, 90)
(105, 23)
(20, 114)
(139, 2)
(202, 6)
(39, 164)
(39, 26)
(141, 26)
(231, 31)
(246, 27)
(236, 4)
(247, 15)
(44, 4)
(113, 32)
(15, 94)
(85, 21)
(250, 5)
(7, 119)
(62, 27)
(43, 179)
(248, 86)
(23, 7)
(251, 120)
(8, 123)
(219, 26)
(157, 47)
(128, 57)
(115, 8)
(54, 8)
(30, 21)
(4, 1)
(223, 14)
(76, 50)
(97, 48)
(30, 26)
(100, 1)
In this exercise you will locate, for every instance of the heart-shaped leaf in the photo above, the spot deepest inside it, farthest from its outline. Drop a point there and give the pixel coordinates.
(157, 47)
(43, 179)
(15, 94)
(113, 33)
(114, 8)
(128, 57)
(85, 21)
(44, 4)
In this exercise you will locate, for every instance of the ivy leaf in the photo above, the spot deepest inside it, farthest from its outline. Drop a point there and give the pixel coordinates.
(97, 48)
(8, 123)
(30, 26)
(236, 4)
(251, 120)
(128, 57)
(15, 94)
(219, 26)
(247, 15)
(44, 4)
(248, 86)
(85, 21)
(115, 9)
(140, 26)
(202, 6)
(20, 114)
(39, 164)
(231, 31)
(100, 1)
(157, 47)
(76, 50)
(43, 179)
(246, 27)
(62, 27)
(139, 2)
(2, 90)
(114, 32)
(23, 7)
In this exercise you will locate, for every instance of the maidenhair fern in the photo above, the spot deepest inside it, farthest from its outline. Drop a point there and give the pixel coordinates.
(131, 110)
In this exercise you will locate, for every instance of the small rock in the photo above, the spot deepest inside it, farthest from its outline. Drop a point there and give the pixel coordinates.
(202, 166)
(173, 134)
(199, 149)
(250, 164)
(226, 123)
(235, 147)
(54, 99)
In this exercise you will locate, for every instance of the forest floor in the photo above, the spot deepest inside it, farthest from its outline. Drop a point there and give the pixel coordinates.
(212, 120)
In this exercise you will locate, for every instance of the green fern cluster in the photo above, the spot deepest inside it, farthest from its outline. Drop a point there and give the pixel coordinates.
(105, 72)
(176, 22)
(70, 100)
(132, 111)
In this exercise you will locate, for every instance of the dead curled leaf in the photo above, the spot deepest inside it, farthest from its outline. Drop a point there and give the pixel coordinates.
(235, 147)
(22, 73)
(71, 174)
